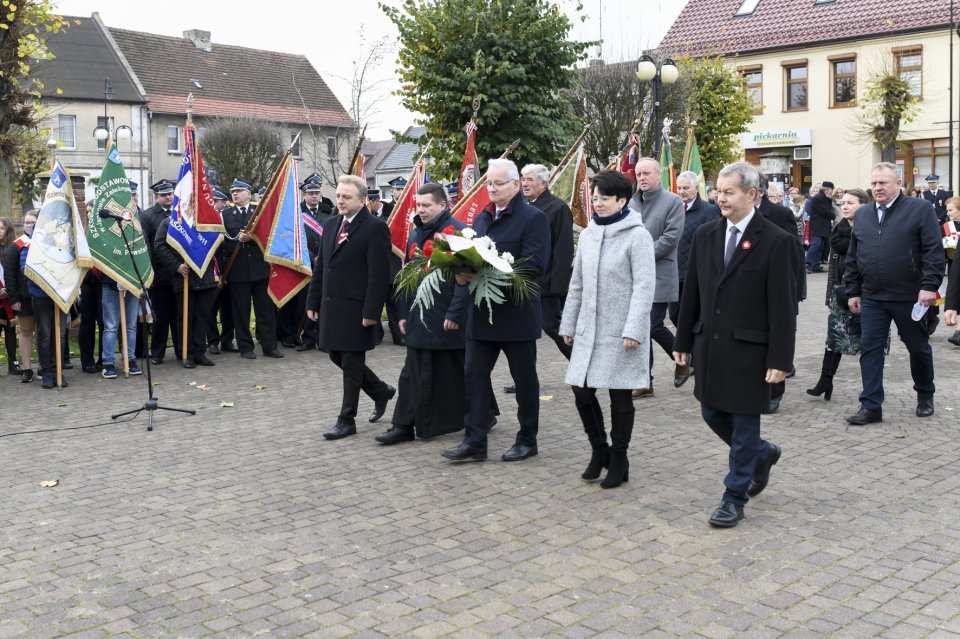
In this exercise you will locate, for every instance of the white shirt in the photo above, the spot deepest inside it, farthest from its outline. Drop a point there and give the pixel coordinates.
(741, 225)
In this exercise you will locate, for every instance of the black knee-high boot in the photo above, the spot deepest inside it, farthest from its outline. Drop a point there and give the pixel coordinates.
(621, 429)
(831, 362)
(592, 419)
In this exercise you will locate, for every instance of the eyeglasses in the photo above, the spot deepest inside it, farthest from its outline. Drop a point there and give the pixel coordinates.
(498, 184)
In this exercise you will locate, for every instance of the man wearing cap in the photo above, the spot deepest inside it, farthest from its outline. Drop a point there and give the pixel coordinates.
(453, 193)
(379, 209)
(821, 223)
(937, 197)
(162, 297)
(376, 206)
(323, 204)
(248, 277)
(133, 189)
(222, 335)
(396, 188)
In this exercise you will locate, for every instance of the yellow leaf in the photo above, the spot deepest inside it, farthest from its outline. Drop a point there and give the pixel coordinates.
(191, 383)
(50, 483)
(546, 398)
(155, 383)
(226, 404)
(61, 405)
(203, 387)
(60, 92)
(260, 387)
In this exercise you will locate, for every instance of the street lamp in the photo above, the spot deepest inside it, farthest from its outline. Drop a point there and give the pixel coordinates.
(665, 72)
(103, 132)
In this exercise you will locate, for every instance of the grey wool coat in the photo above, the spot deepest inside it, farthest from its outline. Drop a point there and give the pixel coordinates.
(610, 296)
(663, 214)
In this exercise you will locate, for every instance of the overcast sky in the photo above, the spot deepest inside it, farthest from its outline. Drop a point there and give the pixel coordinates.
(327, 36)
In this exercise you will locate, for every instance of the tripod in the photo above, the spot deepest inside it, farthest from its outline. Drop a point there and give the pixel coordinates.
(151, 406)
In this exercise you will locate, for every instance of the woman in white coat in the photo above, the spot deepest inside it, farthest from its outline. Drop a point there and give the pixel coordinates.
(606, 318)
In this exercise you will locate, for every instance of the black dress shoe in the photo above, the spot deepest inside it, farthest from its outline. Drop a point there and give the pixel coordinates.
(396, 435)
(341, 430)
(67, 366)
(761, 475)
(213, 349)
(866, 416)
(925, 407)
(465, 452)
(510, 388)
(380, 406)
(156, 361)
(288, 343)
(519, 451)
(727, 515)
(248, 355)
(189, 364)
(307, 346)
(955, 338)
(772, 407)
(228, 347)
(681, 373)
(91, 368)
(201, 360)
(791, 372)
(273, 354)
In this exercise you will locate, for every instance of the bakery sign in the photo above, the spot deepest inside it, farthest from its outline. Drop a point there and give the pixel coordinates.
(767, 139)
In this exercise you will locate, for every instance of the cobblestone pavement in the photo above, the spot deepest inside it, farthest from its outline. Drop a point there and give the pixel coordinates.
(244, 521)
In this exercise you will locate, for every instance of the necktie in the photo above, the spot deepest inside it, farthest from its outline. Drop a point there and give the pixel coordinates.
(731, 245)
(313, 212)
(342, 236)
(881, 211)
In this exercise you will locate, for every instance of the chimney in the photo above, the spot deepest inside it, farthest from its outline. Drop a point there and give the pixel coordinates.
(199, 38)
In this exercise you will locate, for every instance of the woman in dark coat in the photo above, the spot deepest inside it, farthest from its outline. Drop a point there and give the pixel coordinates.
(7, 315)
(19, 296)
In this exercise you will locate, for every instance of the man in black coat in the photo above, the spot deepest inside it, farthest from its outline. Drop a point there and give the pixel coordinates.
(249, 277)
(821, 223)
(349, 287)
(313, 205)
(895, 261)
(162, 297)
(937, 197)
(522, 230)
(379, 210)
(737, 317)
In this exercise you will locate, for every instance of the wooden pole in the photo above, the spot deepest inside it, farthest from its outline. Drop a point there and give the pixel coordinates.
(569, 153)
(58, 346)
(409, 184)
(482, 181)
(356, 151)
(186, 306)
(123, 333)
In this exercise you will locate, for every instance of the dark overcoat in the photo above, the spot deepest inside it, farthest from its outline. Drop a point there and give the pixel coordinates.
(350, 282)
(556, 279)
(523, 231)
(170, 260)
(821, 215)
(150, 221)
(250, 265)
(738, 321)
(783, 218)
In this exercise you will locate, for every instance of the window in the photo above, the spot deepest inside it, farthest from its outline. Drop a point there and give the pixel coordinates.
(68, 131)
(331, 147)
(843, 72)
(909, 63)
(747, 7)
(753, 80)
(795, 84)
(102, 123)
(295, 145)
(173, 139)
(932, 156)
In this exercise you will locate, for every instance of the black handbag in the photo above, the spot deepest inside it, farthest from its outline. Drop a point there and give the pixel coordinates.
(840, 291)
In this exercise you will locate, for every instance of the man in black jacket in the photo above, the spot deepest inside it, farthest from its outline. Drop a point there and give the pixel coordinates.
(821, 223)
(162, 297)
(895, 261)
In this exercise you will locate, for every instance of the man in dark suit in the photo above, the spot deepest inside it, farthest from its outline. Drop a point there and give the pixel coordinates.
(937, 197)
(522, 230)
(162, 297)
(895, 261)
(821, 223)
(555, 280)
(248, 277)
(313, 205)
(737, 318)
(349, 286)
(379, 209)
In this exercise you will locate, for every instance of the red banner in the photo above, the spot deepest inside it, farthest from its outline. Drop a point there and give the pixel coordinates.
(471, 204)
(469, 169)
(403, 211)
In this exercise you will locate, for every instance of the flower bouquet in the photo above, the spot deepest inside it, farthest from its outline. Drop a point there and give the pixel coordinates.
(950, 246)
(497, 276)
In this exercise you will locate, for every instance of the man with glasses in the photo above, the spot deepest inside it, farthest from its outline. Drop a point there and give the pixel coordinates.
(521, 229)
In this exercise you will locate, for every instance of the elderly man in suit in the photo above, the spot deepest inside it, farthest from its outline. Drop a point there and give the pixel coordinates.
(662, 215)
(522, 230)
(737, 318)
(350, 283)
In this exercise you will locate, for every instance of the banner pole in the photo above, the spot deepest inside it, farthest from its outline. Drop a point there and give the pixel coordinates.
(186, 304)
(123, 333)
(569, 153)
(58, 346)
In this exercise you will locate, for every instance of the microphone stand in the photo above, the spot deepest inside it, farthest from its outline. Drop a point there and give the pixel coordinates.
(151, 406)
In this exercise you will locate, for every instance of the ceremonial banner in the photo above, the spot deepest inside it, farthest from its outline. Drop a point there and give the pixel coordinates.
(193, 210)
(469, 169)
(280, 233)
(628, 164)
(668, 174)
(472, 202)
(358, 165)
(691, 161)
(57, 261)
(103, 234)
(569, 182)
(403, 211)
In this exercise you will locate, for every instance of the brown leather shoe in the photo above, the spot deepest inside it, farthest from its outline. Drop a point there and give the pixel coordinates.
(642, 392)
(681, 374)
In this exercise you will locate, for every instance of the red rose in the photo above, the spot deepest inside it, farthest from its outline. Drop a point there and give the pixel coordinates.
(428, 248)
(413, 251)
(450, 230)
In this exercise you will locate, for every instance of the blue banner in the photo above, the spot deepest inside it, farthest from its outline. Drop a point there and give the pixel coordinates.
(197, 248)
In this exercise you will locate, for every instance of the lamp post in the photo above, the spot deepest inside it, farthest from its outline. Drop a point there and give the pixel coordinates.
(665, 72)
(102, 133)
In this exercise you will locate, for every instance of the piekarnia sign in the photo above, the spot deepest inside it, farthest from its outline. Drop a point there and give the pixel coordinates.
(789, 137)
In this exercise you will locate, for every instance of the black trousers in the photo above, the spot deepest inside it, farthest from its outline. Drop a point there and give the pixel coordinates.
(90, 334)
(481, 357)
(264, 311)
(356, 377)
(199, 317)
(222, 306)
(164, 321)
(291, 316)
(43, 316)
(551, 312)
